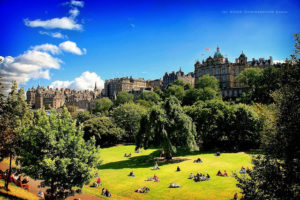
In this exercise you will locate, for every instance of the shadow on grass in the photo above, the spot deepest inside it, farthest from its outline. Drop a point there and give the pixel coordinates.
(143, 161)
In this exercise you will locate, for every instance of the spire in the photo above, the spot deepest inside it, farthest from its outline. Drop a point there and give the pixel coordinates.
(218, 49)
(95, 86)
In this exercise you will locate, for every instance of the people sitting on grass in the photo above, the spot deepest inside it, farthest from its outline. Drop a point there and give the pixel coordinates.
(25, 181)
(191, 176)
(243, 170)
(198, 160)
(143, 190)
(156, 167)
(105, 192)
(207, 177)
(137, 150)
(248, 170)
(218, 153)
(174, 185)
(162, 154)
(220, 173)
(178, 169)
(96, 183)
(156, 179)
(235, 196)
(131, 174)
(127, 155)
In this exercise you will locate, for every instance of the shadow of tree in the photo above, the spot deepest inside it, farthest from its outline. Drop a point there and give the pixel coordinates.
(143, 161)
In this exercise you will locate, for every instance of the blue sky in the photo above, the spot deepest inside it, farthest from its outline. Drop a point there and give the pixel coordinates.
(138, 38)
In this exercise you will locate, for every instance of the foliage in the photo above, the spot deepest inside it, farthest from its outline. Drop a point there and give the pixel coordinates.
(261, 83)
(13, 114)
(127, 116)
(276, 175)
(150, 97)
(104, 130)
(102, 106)
(124, 97)
(175, 90)
(224, 126)
(53, 150)
(83, 116)
(207, 81)
(167, 126)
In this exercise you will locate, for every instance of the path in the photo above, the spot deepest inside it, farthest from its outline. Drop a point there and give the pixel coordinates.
(33, 187)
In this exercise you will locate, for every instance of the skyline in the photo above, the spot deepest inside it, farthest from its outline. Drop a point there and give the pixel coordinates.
(79, 42)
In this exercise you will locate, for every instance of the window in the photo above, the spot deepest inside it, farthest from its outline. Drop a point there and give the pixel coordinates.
(223, 78)
(223, 85)
(236, 71)
(217, 70)
(223, 70)
(210, 71)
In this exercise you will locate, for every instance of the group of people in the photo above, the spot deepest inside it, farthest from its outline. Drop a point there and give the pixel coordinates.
(143, 190)
(154, 178)
(198, 160)
(96, 183)
(16, 178)
(199, 177)
(174, 185)
(127, 155)
(222, 174)
(244, 170)
(105, 192)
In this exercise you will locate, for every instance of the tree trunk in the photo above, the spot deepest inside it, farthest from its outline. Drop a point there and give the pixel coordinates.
(9, 173)
(168, 155)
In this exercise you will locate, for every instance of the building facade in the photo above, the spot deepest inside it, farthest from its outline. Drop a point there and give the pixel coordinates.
(179, 75)
(226, 72)
(56, 98)
(114, 86)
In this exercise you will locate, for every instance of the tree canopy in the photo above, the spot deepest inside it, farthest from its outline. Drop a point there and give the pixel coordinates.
(103, 106)
(124, 97)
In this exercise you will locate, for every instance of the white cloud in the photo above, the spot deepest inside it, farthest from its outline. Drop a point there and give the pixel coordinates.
(71, 47)
(278, 61)
(47, 48)
(33, 64)
(86, 81)
(54, 34)
(74, 12)
(77, 3)
(61, 23)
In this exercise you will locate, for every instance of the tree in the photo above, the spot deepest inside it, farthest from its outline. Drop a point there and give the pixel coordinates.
(102, 106)
(150, 97)
(127, 116)
(13, 114)
(208, 81)
(124, 97)
(53, 150)
(176, 90)
(104, 130)
(82, 117)
(167, 126)
(275, 175)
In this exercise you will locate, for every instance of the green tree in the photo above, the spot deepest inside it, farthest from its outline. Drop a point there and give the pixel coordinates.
(176, 90)
(83, 116)
(167, 126)
(124, 97)
(275, 175)
(53, 150)
(149, 96)
(127, 116)
(208, 81)
(103, 106)
(13, 115)
(104, 130)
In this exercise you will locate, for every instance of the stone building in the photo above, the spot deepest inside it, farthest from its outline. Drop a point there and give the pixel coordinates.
(154, 83)
(179, 75)
(113, 86)
(226, 72)
(56, 98)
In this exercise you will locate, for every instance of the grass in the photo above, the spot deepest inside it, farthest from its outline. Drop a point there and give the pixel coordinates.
(115, 168)
(15, 192)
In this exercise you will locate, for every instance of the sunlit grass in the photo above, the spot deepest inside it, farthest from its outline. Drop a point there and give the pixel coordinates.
(115, 168)
(16, 191)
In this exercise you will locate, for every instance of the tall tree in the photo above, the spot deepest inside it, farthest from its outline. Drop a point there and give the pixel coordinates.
(167, 126)
(53, 150)
(276, 174)
(127, 116)
(13, 115)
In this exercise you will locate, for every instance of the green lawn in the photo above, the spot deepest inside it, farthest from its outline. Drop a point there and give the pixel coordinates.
(115, 168)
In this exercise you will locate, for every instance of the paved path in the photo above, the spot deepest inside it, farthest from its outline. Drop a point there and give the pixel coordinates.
(33, 187)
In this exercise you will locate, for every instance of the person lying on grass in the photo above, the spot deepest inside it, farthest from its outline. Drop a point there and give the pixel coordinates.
(198, 160)
(143, 190)
(174, 185)
(156, 179)
(243, 170)
(131, 174)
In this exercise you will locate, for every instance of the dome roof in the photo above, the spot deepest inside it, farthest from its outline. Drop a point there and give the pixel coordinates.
(218, 53)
